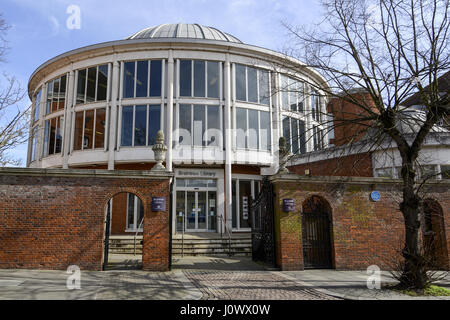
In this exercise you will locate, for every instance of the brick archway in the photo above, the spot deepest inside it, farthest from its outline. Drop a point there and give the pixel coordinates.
(317, 233)
(434, 238)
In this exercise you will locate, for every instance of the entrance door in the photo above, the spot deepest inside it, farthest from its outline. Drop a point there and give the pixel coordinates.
(316, 233)
(196, 215)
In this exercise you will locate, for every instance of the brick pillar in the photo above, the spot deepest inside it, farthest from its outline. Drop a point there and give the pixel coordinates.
(155, 248)
(288, 234)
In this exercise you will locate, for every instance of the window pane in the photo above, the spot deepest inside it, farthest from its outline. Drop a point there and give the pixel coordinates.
(140, 125)
(90, 93)
(142, 79)
(54, 104)
(185, 124)
(48, 108)
(81, 86)
(252, 85)
(102, 82)
(253, 131)
(100, 118)
(445, 172)
(241, 127)
(46, 136)
(240, 83)
(130, 211)
(302, 135)
(78, 131)
(214, 132)
(127, 125)
(199, 78)
(199, 125)
(263, 87)
(37, 106)
(300, 97)
(293, 94)
(185, 78)
(34, 143)
(154, 123)
(213, 79)
(52, 138)
(294, 126)
(60, 126)
(264, 130)
(155, 78)
(128, 80)
(287, 132)
(88, 130)
(62, 93)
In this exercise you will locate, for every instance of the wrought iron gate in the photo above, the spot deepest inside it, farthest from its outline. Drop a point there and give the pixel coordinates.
(262, 222)
(107, 227)
(316, 234)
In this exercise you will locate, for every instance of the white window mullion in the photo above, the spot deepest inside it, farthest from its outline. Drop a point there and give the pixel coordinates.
(93, 131)
(134, 121)
(147, 121)
(135, 79)
(84, 125)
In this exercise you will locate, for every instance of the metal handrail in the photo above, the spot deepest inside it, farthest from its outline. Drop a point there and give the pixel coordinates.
(135, 235)
(228, 232)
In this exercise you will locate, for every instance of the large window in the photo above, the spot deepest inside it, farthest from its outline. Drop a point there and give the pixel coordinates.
(294, 133)
(445, 171)
(199, 78)
(135, 213)
(90, 129)
(142, 79)
(252, 129)
(315, 106)
(252, 85)
(53, 135)
(56, 95)
(199, 125)
(292, 94)
(37, 106)
(139, 125)
(92, 84)
(317, 138)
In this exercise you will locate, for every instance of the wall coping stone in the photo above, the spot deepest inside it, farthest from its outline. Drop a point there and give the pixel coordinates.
(98, 173)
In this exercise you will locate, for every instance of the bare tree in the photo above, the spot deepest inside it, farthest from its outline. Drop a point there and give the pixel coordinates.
(14, 123)
(390, 49)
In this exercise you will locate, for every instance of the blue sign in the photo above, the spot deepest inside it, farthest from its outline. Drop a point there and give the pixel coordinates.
(288, 205)
(158, 204)
(375, 196)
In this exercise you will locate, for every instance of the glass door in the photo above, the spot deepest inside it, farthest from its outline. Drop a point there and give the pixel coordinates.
(201, 210)
(191, 212)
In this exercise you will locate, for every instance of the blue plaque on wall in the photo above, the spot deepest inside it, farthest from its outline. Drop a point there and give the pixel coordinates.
(158, 204)
(375, 196)
(288, 205)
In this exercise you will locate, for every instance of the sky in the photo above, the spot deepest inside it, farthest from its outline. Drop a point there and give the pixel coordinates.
(39, 29)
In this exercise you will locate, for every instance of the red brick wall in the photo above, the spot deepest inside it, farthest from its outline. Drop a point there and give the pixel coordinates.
(359, 165)
(363, 232)
(50, 219)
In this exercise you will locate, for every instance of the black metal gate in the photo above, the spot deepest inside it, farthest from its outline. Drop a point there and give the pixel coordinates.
(316, 234)
(262, 222)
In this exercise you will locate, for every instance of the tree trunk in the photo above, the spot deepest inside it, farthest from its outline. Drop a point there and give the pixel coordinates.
(414, 273)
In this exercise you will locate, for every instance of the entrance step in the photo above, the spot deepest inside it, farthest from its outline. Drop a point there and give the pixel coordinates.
(196, 245)
(125, 245)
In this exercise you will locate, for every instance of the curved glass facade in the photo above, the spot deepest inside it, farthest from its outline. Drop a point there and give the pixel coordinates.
(264, 105)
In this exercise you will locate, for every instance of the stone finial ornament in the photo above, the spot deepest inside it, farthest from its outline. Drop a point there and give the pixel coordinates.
(283, 154)
(159, 149)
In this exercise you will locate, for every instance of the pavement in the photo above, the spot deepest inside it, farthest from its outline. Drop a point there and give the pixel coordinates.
(194, 278)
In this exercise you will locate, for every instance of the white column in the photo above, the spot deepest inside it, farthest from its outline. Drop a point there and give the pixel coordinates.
(68, 119)
(113, 117)
(41, 133)
(309, 119)
(169, 111)
(228, 137)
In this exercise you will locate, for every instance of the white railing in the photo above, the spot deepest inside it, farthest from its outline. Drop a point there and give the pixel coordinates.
(135, 235)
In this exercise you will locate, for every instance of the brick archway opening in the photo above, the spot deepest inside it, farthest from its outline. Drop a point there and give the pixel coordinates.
(434, 238)
(123, 229)
(317, 233)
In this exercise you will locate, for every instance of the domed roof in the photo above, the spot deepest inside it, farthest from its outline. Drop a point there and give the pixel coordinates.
(184, 30)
